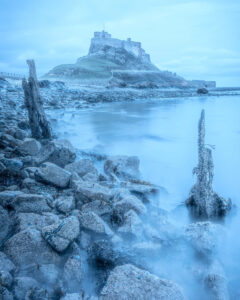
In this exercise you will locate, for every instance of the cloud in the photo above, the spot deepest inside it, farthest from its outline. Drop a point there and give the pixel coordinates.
(194, 38)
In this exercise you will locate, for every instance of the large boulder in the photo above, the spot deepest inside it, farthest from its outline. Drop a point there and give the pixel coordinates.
(129, 282)
(61, 234)
(33, 220)
(29, 146)
(84, 168)
(94, 223)
(88, 191)
(31, 203)
(53, 174)
(125, 167)
(27, 247)
(59, 152)
(129, 202)
(98, 207)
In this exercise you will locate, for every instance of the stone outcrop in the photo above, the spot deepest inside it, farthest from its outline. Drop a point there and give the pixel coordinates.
(59, 152)
(203, 202)
(129, 282)
(61, 234)
(52, 174)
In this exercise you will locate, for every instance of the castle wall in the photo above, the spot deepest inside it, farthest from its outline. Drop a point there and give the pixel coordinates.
(103, 38)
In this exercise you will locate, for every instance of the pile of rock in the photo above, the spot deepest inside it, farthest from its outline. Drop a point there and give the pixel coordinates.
(65, 223)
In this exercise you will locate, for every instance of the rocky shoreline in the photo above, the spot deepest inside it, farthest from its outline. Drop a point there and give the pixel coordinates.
(71, 230)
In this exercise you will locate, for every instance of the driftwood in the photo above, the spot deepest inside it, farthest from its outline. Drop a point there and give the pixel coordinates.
(39, 125)
(203, 201)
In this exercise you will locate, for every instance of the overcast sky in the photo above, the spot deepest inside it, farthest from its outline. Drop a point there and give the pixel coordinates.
(197, 39)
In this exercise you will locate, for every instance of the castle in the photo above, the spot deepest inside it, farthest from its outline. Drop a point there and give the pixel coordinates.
(104, 38)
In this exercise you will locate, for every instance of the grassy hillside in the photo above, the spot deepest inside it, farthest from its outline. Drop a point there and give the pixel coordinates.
(99, 66)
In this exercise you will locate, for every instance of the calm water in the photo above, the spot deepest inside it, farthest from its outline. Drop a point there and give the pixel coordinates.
(163, 134)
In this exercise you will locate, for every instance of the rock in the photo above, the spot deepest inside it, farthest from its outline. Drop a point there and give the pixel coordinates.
(35, 187)
(27, 220)
(83, 168)
(132, 224)
(31, 172)
(129, 282)
(13, 166)
(37, 293)
(73, 273)
(62, 234)
(65, 204)
(104, 254)
(6, 264)
(140, 188)
(72, 296)
(22, 285)
(44, 83)
(8, 197)
(20, 134)
(29, 147)
(202, 91)
(52, 174)
(126, 167)
(215, 282)
(98, 207)
(5, 279)
(59, 152)
(5, 294)
(5, 225)
(23, 125)
(6, 140)
(31, 203)
(129, 202)
(89, 191)
(93, 222)
(27, 247)
(205, 236)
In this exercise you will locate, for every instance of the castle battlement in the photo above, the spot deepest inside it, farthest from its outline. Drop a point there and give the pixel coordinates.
(103, 38)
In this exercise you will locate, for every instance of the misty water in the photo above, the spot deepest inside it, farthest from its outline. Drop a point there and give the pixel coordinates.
(163, 134)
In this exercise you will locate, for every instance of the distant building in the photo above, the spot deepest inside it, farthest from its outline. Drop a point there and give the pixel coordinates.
(103, 38)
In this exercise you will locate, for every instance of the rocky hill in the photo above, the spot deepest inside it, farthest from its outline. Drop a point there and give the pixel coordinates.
(99, 65)
(121, 63)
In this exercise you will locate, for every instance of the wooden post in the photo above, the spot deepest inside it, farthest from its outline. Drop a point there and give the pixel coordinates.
(39, 125)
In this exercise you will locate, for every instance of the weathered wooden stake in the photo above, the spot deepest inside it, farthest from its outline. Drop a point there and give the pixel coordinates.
(203, 201)
(39, 125)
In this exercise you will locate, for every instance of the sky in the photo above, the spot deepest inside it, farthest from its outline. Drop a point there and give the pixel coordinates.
(196, 39)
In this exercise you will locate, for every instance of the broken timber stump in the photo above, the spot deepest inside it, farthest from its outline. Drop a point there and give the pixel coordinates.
(38, 123)
(203, 202)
